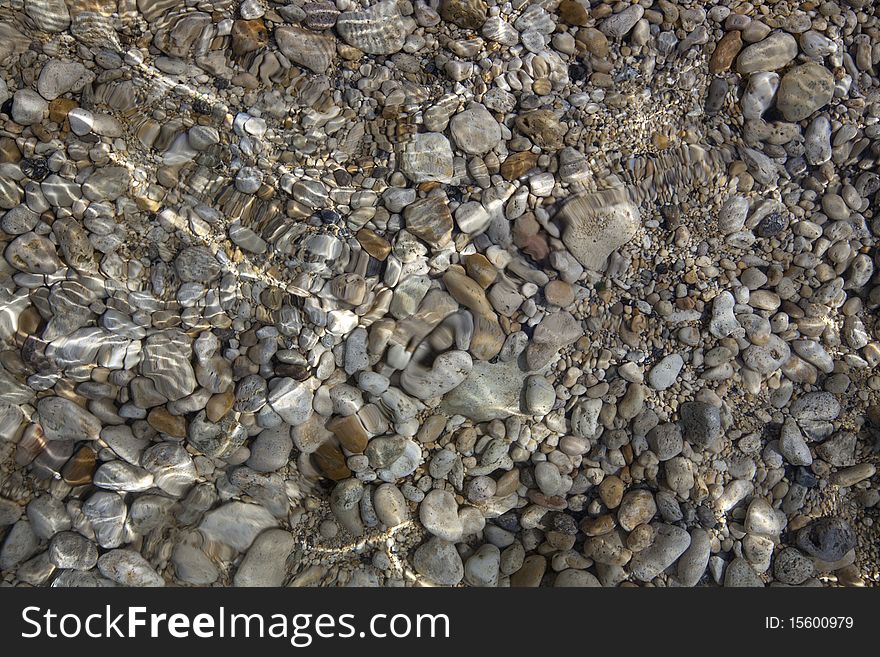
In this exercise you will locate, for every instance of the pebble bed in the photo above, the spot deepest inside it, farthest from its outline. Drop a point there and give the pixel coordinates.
(439, 292)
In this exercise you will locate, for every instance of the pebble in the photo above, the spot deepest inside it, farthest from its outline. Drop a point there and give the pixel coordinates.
(593, 232)
(390, 505)
(438, 513)
(59, 77)
(803, 90)
(791, 567)
(701, 424)
(271, 449)
(475, 131)
(428, 158)
(439, 562)
(482, 569)
(378, 30)
(792, 445)
(28, 107)
(692, 563)
(619, 25)
(758, 98)
(770, 54)
(265, 563)
(69, 550)
(665, 373)
(236, 524)
(740, 574)
(128, 568)
(670, 543)
(62, 419)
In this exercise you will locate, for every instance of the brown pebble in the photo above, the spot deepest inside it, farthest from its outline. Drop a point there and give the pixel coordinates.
(530, 574)
(164, 422)
(611, 491)
(79, 469)
(725, 52)
(572, 12)
(350, 432)
(480, 269)
(518, 164)
(219, 405)
(374, 244)
(331, 461)
(597, 526)
(559, 293)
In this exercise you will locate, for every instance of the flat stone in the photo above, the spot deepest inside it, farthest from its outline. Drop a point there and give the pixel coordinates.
(106, 184)
(692, 563)
(63, 419)
(665, 373)
(447, 371)
(59, 77)
(28, 107)
(427, 157)
(390, 505)
(129, 568)
(619, 25)
(430, 220)
(265, 563)
(292, 400)
(491, 391)
(378, 30)
(594, 229)
(306, 48)
(803, 90)
(670, 542)
(439, 562)
(438, 513)
(32, 253)
(740, 574)
(236, 524)
(725, 52)
(475, 131)
(769, 54)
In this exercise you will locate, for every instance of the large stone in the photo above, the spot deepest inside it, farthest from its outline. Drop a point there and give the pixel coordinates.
(439, 562)
(306, 48)
(427, 157)
(827, 539)
(430, 220)
(475, 131)
(769, 54)
(379, 30)
(59, 77)
(63, 419)
(265, 563)
(491, 391)
(803, 90)
(669, 544)
(596, 225)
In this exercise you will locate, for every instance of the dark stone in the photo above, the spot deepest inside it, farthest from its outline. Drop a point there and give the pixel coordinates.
(35, 168)
(577, 73)
(562, 523)
(771, 225)
(328, 216)
(701, 423)
(715, 97)
(828, 539)
(806, 478)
